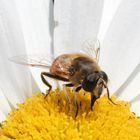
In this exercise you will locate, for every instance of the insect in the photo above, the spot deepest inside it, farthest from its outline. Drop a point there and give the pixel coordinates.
(78, 70)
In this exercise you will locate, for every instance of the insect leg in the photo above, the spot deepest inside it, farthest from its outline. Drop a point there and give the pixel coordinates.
(65, 91)
(69, 85)
(108, 94)
(78, 88)
(67, 97)
(93, 99)
(51, 76)
(75, 97)
(95, 95)
(46, 83)
(55, 76)
(75, 101)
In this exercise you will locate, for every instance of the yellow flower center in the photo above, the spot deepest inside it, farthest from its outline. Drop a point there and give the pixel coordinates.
(53, 119)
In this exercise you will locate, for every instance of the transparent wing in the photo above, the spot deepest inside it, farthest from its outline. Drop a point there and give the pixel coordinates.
(42, 61)
(91, 48)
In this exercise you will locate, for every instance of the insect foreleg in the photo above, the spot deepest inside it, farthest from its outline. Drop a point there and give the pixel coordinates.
(108, 94)
(69, 85)
(93, 99)
(78, 88)
(76, 104)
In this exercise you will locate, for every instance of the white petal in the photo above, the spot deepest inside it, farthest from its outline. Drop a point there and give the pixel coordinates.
(15, 81)
(109, 10)
(35, 17)
(121, 46)
(76, 22)
(4, 106)
(2, 116)
(135, 108)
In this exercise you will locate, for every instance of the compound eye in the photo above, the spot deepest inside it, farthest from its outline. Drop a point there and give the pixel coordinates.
(91, 77)
(90, 82)
(103, 75)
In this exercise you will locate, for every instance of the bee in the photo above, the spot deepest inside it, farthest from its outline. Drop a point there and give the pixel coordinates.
(79, 71)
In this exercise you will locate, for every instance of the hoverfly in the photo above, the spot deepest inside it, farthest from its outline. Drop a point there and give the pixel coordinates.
(79, 70)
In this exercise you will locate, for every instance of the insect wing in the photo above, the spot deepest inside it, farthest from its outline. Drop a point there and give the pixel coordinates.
(42, 61)
(91, 48)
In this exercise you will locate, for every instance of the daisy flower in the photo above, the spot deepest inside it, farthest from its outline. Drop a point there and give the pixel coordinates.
(56, 27)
